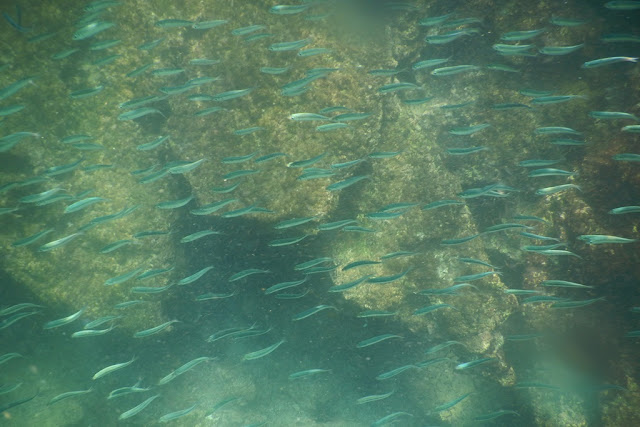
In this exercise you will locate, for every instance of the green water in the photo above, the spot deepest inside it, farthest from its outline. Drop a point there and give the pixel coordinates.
(414, 145)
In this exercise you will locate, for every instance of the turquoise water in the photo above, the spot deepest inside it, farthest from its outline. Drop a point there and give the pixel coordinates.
(464, 286)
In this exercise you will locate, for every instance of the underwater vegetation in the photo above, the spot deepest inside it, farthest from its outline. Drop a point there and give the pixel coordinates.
(337, 213)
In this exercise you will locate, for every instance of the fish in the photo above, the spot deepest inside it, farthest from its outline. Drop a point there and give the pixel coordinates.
(239, 174)
(115, 245)
(312, 311)
(451, 290)
(177, 414)
(247, 131)
(312, 263)
(360, 263)
(428, 63)
(575, 304)
(608, 61)
(627, 157)
(336, 224)
(293, 222)
(557, 252)
(195, 276)
(551, 130)
(307, 373)
(226, 188)
(522, 35)
(560, 50)
(149, 289)
(556, 189)
(431, 308)
(441, 203)
(138, 408)
(390, 278)
(388, 419)
(153, 144)
(153, 273)
(384, 215)
(398, 254)
(331, 126)
(397, 371)
(622, 5)
(101, 321)
(184, 168)
(92, 29)
(375, 313)
(239, 159)
(287, 241)
(314, 51)
(465, 151)
(5, 407)
(477, 276)
(473, 363)
(123, 391)
(450, 36)
(174, 204)
(289, 9)
(123, 277)
(315, 173)
(154, 330)
(433, 21)
(564, 284)
(112, 368)
(243, 31)
(449, 242)
(31, 239)
(625, 210)
(284, 285)
(9, 356)
(85, 93)
(555, 99)
(287, 46)
(448, 405)
(612, 115)
(263, 352)
(376, 339)
(173, 23)
(139, 112)
(8, 388)
(184, 368)
(198, 235)
(18, 307)
(244, 273)
(567, 22)
(394, 87)
(212, 207)
(5, 323)
(350, 285)
(456, 69)
(274, 70)
(307, 162)
(441, 346)
(81, 204)
(476, 261)
(374, 398)
(510, 49)
(65, 320)
(345, 117)
(599, 239)
(91, 332)
(64, 53)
